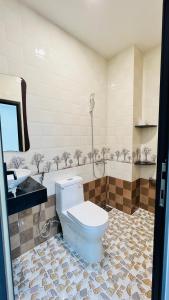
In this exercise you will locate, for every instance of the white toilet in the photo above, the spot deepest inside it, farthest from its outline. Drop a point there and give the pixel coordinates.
(83, 223)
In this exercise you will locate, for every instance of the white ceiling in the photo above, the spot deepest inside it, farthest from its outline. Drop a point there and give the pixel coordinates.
(107, 26)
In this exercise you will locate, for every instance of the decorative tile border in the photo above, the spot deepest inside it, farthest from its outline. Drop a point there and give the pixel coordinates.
(66, 160)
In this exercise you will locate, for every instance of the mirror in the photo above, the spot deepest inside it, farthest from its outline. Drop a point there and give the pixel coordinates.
(13, 113)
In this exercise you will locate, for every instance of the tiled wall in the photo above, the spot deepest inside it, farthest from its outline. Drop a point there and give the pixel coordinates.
(96, 191)
(24, 229)
(128, 196)
(120, 110)
(150, 102)
(147, 194)
(123, 195)
(60, 73)
(132, 96)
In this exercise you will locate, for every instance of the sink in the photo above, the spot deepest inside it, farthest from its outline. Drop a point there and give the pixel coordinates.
(21, 174)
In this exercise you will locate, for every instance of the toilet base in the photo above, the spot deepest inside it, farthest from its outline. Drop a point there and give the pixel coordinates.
(90, 249)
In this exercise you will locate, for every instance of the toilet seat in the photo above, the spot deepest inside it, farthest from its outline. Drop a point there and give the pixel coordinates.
(88, 214)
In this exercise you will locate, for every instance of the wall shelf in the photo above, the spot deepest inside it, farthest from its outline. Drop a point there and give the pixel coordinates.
(145, 163)
(146, 126)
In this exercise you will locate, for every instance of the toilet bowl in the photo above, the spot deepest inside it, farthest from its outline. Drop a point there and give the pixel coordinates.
(83, 222)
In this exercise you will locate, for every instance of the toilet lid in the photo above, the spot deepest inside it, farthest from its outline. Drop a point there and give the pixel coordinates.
(88, 214)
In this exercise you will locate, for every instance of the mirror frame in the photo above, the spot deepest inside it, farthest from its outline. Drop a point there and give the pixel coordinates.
(23, 136)
(26, 142)
(19, 121)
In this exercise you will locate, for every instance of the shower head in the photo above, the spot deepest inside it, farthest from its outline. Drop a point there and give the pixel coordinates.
(92, 102)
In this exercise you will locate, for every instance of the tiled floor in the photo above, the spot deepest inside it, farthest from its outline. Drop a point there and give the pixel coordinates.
(53, 271)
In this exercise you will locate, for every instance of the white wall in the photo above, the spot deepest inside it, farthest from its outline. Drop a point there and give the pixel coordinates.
(120, 111)
(59, 84)
(61, 73)
(133, 95)
(150, 103)
(137, 105)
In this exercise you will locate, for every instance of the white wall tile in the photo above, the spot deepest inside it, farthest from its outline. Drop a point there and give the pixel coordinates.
(58, 85)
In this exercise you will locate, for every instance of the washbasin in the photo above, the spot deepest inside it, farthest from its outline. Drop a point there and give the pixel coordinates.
(21, 176)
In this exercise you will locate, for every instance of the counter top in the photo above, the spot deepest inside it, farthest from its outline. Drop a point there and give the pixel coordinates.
(30, 193)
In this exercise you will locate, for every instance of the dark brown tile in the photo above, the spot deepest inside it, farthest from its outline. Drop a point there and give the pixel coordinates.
(127, 185)
(16, 252)
(144, 182)
(98, 199)
(119, 206)
(133, 194)
(127, 202)
(13, 228)
(112, 181)
(103, 196)
(111, 196)
(86, 187)
(119, 191)
(144, 191)
(133, 185)
(98, 182)
(26, 235)
(138, 183)
(91, 193)
(103, 188)
(143, 206)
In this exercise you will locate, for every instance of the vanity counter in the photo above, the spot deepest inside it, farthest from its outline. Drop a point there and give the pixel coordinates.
(29, 194)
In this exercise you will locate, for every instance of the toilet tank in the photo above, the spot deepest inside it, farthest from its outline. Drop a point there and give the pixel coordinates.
(69, 192)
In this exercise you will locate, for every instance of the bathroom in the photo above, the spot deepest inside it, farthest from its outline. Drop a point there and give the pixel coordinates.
(91, 106)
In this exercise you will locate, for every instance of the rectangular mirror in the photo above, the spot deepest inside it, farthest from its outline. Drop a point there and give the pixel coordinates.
(13, 113)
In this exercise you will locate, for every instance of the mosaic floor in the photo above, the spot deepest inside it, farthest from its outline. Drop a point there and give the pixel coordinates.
(52, 271)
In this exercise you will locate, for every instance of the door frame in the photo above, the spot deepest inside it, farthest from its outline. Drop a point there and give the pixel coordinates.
(163, 147)
(6, 275)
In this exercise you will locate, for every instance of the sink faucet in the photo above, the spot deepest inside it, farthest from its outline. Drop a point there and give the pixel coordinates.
(8, 172)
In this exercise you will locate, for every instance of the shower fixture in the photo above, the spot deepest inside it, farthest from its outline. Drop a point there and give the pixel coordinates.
(92, 102)
(91, 110)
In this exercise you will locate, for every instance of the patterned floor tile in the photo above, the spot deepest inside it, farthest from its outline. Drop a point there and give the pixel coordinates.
(53, 270)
